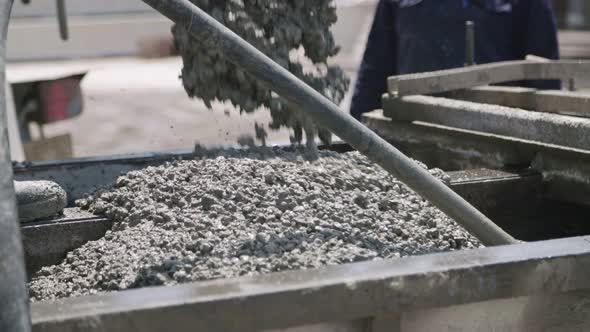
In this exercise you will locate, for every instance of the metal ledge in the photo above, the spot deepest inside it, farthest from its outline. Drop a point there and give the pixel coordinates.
(346, 292)
(547, 128)
(550, 101)
(468, 77)
(566, 171)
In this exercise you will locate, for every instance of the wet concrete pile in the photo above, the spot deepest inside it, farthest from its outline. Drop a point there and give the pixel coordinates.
(295, 34)
(247, 213)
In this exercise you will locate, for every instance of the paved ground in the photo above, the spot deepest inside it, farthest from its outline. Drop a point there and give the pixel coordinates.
(135, 105)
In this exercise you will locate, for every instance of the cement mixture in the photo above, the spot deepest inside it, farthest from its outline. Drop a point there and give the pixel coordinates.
(295, 34)
(244, 213)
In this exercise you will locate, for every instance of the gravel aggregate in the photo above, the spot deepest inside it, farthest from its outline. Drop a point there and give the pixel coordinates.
(244, 213)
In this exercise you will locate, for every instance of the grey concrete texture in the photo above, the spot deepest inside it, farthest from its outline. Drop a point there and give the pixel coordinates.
(296, 35)
(245, 213)
(39, 199)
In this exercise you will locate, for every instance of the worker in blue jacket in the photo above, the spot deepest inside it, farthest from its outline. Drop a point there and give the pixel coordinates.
(410, 36)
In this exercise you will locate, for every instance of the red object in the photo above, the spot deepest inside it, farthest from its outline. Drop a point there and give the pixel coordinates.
(60, 99)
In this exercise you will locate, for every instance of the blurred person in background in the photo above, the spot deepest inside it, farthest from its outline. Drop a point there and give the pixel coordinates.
(411, 36)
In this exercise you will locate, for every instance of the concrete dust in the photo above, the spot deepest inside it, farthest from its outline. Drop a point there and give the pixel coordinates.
(247, 212)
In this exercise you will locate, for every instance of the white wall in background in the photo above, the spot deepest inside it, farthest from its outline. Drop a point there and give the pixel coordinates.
(116, 27)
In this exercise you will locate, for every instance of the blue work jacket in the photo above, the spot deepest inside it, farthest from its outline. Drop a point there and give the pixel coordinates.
(411, 36)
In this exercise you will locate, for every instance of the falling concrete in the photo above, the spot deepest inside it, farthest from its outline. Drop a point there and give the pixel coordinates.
(244, 213)
(295, 34)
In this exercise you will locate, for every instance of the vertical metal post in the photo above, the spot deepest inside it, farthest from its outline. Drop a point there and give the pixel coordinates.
(571, 86)
(469, 43)
(62, 19)
(14, 302)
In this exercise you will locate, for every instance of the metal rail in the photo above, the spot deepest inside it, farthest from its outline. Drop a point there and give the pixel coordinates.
(349, 292)
(236, 50)
(565, 170)
(549, 101)
(548, 128)
(14, 307)
(468, 77)
(62, 19)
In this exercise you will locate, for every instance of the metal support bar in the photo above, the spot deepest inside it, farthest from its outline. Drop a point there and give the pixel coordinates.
(14, 307)
(62, 19)
(550, 101)
(469, 43)
(541, 127)
(337, 293)
(326, 114)
(468, 77)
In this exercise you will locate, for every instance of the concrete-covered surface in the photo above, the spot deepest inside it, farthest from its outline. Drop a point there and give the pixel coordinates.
(247, 213)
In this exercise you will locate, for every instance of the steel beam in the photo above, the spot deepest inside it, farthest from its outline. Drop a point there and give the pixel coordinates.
(550, 101)
(468, 77)
(346, 292)
(548, 128)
